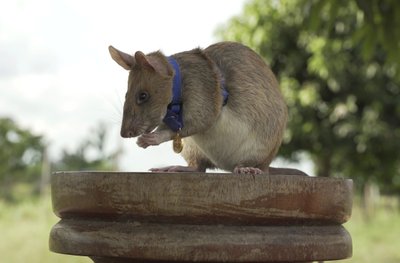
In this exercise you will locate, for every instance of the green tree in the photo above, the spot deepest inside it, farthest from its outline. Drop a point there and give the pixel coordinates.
(377, 21)
(343, 100)
(90, 154)
(20, 157)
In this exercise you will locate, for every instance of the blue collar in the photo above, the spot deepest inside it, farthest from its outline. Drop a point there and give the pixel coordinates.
(174, 117)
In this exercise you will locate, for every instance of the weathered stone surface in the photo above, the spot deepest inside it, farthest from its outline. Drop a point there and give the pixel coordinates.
(203, 198)
(186, 217)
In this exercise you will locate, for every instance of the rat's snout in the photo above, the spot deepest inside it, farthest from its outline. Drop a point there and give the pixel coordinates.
(128, 129)
(127, 133)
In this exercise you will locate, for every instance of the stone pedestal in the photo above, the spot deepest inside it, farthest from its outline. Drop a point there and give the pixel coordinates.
(202, 217)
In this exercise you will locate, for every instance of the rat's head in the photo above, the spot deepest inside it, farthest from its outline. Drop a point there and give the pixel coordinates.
(149, 91)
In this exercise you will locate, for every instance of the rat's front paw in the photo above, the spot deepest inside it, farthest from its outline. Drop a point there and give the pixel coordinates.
(145, 140)
(154, 138)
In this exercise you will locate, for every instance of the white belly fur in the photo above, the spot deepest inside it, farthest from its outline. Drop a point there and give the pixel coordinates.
(231, 142)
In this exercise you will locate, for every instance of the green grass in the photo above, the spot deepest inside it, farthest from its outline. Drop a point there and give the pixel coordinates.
(376, 239)
(24, 232)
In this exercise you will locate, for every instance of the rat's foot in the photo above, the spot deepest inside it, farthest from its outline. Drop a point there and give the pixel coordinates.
(175, 169)
(247, 170)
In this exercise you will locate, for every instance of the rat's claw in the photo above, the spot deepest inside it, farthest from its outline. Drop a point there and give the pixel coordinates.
(142, 143)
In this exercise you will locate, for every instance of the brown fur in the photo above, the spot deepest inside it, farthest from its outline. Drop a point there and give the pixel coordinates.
(246, 132)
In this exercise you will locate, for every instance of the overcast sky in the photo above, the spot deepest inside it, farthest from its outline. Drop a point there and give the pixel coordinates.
(56, 76)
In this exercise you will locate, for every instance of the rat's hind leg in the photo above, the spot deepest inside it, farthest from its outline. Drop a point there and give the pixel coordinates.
(196, 160)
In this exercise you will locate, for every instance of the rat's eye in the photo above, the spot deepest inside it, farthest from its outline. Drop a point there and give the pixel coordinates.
(142, 97)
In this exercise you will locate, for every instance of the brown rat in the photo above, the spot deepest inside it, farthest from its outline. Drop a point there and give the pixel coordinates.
(240, 133)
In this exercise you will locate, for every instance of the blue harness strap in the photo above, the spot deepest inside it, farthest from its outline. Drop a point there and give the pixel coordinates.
(173, 119)
(174, 116)
(225, 93)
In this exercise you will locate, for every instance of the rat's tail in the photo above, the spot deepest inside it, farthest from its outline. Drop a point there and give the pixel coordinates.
(285, 171)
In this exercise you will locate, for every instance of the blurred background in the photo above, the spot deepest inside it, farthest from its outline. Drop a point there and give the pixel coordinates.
(61, 96)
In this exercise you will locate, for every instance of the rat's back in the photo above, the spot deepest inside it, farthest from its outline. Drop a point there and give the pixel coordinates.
(253, 88)
(252, 122)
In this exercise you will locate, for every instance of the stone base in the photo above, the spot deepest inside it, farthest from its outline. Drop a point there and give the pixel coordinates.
(132, 241)
(136, 217)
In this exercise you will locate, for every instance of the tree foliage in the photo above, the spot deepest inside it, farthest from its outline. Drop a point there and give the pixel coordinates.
(340, 83)
(20, 156)
(90, 154)
(376, 25)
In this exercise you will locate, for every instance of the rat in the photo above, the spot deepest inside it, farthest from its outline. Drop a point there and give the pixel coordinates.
(223, 102)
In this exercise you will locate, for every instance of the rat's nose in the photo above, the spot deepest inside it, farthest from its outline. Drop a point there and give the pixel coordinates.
(127, 134)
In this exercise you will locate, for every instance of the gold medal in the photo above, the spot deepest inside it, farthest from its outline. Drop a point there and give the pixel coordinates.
(177, 143)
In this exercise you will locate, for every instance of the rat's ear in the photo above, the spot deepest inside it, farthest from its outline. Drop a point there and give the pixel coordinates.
(153, 63)
(143, 61)
(124, 60)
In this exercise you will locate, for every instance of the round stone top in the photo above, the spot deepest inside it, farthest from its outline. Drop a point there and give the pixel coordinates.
(202, 198)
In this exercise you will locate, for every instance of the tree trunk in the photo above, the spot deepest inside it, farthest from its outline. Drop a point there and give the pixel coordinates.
(323, 165)
(45, 173)
(370, 196)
